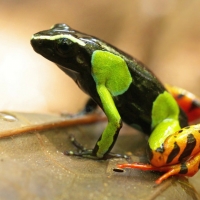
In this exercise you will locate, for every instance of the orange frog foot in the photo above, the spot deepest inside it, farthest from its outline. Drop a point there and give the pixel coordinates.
(187, 168)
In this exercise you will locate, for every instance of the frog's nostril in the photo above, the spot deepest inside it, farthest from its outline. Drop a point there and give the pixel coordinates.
(39, 41)
(36, 42)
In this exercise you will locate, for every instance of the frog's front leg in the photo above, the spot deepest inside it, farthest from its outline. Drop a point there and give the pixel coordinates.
(90, 107)
(104, 64)
(109, 135)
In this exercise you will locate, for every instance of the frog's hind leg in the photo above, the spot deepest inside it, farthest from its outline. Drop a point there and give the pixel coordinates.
(187, 168)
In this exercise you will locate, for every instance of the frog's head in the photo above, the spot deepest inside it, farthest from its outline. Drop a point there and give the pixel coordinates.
(68, 48)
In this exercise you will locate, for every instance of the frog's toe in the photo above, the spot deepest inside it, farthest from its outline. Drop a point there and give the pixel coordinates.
(85, 154)
(79, 153)
(116, 155)
(77, 144)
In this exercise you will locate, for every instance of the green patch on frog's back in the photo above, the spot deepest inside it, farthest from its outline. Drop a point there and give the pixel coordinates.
(112, 71)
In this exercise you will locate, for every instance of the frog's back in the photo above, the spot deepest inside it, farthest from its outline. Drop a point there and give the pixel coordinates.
(135, 105)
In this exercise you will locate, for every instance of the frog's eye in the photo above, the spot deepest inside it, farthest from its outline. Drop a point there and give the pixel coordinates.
(64, 45)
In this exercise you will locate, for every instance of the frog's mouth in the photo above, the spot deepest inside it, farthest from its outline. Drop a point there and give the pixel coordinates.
(73, 74)
(40, 47)
(46, 49)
